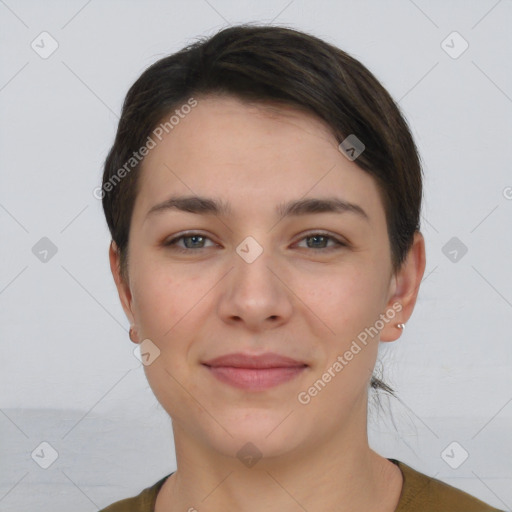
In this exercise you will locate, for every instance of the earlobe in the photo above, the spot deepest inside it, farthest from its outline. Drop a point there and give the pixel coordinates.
(407, 284)
(133, 335)
(392, 330)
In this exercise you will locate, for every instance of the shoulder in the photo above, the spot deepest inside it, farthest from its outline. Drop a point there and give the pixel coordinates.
(143, 502)
(126, 505)
(423, 493)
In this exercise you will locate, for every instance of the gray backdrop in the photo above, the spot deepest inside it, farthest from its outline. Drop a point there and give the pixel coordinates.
(69, 377)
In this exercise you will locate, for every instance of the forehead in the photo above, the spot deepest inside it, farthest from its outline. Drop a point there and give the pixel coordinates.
(218, 125)
(256, 152)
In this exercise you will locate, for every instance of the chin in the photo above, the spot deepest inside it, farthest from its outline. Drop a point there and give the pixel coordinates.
(264, 433)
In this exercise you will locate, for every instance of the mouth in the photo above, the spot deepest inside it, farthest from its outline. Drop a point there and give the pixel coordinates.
(254, 373)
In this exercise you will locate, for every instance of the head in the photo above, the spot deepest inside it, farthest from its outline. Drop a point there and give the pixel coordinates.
(236, 128)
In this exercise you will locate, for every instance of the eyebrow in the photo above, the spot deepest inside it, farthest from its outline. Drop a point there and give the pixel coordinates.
(209, 206)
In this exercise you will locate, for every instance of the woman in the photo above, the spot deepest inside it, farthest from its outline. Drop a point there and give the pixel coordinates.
(263, 194)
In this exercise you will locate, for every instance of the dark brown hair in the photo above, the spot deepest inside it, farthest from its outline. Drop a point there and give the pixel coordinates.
(280, 65)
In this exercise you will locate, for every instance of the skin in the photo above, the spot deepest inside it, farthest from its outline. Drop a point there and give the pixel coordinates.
(304, 302)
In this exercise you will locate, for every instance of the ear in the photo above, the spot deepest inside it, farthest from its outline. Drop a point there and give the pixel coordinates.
(123, 287)
(404, 288)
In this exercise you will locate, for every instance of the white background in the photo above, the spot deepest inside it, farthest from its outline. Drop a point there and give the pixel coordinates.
(67, 370)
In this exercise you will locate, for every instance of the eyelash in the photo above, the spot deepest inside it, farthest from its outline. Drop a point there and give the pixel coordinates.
(172, 244)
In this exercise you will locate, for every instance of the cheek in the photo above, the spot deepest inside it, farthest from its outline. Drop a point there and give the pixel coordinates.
(343, 297)
(348, 304)
(156, 298)
(158, 286)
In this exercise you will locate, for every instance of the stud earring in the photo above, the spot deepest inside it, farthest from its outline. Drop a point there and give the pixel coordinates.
(401, 326)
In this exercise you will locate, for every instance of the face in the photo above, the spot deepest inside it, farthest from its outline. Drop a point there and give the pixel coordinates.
(246, 279)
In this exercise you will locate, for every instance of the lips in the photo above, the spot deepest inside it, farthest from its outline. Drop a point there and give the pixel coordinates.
(254, 373)
(240, 360)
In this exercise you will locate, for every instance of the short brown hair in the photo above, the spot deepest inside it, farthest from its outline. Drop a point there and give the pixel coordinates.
(259, 63)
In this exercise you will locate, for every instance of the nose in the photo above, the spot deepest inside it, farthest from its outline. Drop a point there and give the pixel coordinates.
(255, 294)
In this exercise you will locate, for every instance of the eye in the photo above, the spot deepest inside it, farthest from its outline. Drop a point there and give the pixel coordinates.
(191, 241)
(196, 241)
(319, 241)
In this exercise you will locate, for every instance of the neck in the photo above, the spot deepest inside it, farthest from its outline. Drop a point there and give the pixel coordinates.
(340, 473)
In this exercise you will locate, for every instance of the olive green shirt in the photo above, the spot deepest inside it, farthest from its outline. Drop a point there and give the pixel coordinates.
(420, 493)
